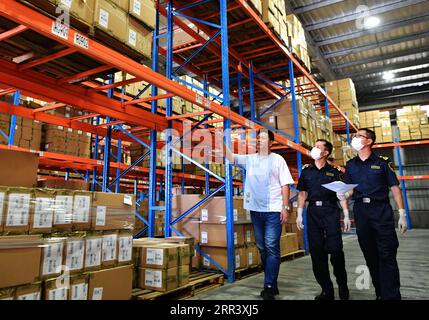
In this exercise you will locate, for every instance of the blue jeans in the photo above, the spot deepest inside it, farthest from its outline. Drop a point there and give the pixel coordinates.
(268, 231)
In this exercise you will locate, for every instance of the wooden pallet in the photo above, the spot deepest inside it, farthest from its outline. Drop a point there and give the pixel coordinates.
(292, 255)
(248, 272)
(198, 282)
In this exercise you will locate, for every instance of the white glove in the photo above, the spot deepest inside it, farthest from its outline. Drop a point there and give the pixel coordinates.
(347, 222)
(299, 223)
(344, 196)
(402, 222)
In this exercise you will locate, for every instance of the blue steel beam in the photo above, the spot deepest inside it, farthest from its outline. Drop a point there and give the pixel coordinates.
(206, 126)
(252, 93)
(107, 142)
(119, 127)
(192, 5)
(12, 125)
(403, 188)
(178, 14)
(118, 177)
(273, 105)
(191, 85)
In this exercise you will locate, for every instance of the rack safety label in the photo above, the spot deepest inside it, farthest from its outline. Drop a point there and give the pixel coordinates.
(93, 252)
(29, 296)
(125, 248)
(97, 293)
(155, 256)
(153, 278)
(18, 209)
(61, 30)
(43, 212)
(79, 291)
(81, 41)
(75, 254)
(58, 294)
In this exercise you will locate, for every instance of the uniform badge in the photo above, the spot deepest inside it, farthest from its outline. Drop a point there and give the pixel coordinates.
(329, 174)
(375, 167)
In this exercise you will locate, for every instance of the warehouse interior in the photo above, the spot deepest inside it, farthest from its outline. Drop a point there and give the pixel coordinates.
(114, 116)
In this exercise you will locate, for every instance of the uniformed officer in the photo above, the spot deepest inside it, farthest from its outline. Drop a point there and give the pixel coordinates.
(373, 214)
(323, 221)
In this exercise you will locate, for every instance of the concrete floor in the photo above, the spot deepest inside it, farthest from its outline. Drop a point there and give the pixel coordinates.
(296, 280)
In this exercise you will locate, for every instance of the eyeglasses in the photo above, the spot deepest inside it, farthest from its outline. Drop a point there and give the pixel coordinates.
(357, 135)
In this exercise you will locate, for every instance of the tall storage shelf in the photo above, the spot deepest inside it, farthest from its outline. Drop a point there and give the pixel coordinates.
(246, 78)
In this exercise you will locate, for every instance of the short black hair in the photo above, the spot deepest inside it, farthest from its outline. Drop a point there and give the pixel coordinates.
(328, 145)
(371, 135)
(270, 134)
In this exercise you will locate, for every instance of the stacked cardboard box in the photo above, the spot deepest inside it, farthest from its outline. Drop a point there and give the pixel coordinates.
(343, 93)
(342, 151)
(379, 122)
(28, 133)
(413, 123)
(297, 41)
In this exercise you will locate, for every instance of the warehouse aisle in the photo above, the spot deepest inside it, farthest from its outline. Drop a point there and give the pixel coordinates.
(296, 280)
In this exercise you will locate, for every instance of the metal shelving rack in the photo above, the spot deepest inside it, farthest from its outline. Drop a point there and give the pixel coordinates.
(262, 70)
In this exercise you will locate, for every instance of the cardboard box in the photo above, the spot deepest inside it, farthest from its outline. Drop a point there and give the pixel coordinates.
(29, 292)
(112, 211)
(42, 211)
(143, 10)
(159, 256)
(111, 284)
(82, 210)
(93, 245)
(79, 287)
(52, 257)
(74, 254)
(111, 18)
(253, 256)
(289, 243)
(109, 249)
(81, 9)
(249, 234)
(56, 289)
(158, 280)
(214, 210)
(19, 260)
(63, 213)
(139, 37)
(18, 209)
(190, 228)
(183, 275)
(221, 257)
(214, 235)
(18, 169)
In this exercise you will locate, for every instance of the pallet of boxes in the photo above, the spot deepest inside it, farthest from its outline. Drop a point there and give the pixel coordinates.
(292, 239)
(65, 244)
(379, 122)
(413, 123)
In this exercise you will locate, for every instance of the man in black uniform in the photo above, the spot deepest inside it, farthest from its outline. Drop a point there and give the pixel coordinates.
(373, 214)
(323, 221)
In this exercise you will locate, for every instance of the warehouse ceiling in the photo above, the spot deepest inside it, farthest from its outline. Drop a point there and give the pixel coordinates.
(382, 45)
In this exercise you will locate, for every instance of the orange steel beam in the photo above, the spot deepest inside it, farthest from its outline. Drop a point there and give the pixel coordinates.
(252, 40)
(187, 48)
(13, 32)
(95, 102)
(59, 121)
(418, 177)
(232, 25)
(84, 74)
(117, 84)
(87, 116)
(263, 54)
(7, 91)
(45, 59)
(230, 8)
(187, 115)
(148, 99)
(289, 55)
(401, 144)
(111, 123)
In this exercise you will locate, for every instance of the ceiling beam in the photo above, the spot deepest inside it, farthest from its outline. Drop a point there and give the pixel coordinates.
(398, 102)
(388, 85)
(378, 44)
(390, 67)
(368, 82)
(356, 15)
(396, 93)
(381, 57)
(316, 5)
(315, 52)
(386, 27)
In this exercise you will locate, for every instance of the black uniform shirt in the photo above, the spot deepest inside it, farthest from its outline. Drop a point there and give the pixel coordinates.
(312, 178)
(374, 176)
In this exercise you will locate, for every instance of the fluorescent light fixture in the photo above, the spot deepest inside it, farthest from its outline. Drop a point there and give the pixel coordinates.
(372, 22)
(388, 75)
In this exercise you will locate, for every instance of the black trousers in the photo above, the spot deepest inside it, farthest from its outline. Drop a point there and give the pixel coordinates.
(375, 227)
(324, 237)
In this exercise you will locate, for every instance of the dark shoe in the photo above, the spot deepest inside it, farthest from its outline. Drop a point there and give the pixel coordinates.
(276, 291)
(377, 298)
(343, 292)
(324, 296)
(268, 294)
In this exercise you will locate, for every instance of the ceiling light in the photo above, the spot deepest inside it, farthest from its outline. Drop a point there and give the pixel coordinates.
(372, 22)
(388, 75)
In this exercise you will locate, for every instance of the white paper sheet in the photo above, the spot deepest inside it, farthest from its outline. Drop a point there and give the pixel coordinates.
(339, 186)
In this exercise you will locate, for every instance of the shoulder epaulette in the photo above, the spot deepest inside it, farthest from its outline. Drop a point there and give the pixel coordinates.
(385, 158)
(305, 166)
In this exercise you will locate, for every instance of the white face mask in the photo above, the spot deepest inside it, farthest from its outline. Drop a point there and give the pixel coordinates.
(316, 153)
(357, 144)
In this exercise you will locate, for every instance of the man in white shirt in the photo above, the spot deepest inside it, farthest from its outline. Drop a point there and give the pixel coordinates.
(266, 195)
